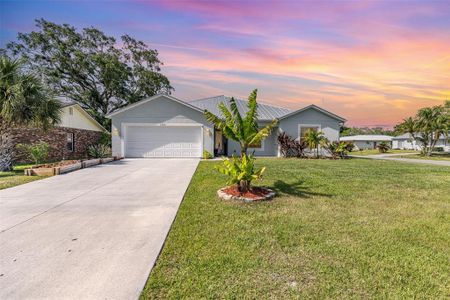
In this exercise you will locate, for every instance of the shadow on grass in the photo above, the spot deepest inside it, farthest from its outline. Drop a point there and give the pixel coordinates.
(295, 189)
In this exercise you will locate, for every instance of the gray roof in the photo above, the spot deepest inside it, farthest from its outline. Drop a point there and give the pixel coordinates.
(265, 112)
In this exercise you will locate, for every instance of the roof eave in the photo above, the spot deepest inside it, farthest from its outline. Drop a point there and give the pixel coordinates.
(136, 104)
(334, 116)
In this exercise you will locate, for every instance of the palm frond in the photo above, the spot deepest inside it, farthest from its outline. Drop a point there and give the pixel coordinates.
(219, 123)
(251, 119)
(238, 121)
(263, 132)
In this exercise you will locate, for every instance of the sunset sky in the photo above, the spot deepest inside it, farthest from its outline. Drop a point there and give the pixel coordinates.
(372, 62)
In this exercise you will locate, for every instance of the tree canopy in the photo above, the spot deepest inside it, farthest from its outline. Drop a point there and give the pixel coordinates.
(89, 67)
(23, 101)
(427, 126)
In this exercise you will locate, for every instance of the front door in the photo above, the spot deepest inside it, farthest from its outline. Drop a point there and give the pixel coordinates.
(220, 143)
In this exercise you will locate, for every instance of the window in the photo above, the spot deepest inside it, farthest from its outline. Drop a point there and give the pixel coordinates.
(70, 110)
(70, 142)
(305, 128)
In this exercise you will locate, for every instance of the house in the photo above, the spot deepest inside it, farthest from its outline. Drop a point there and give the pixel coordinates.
(69, 139)
(362, 142)
(406, 142)
(164, 126)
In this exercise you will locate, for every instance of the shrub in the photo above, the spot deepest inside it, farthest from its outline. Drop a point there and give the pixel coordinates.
(289, 147)
(336, 149)
(383, 147)
(105, 139)
(38, 152)
(99, 151)
(438, 149)
(349, 146)
(207, 155)
(241, 171)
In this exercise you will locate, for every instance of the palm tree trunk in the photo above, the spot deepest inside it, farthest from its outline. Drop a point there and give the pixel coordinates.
(243, 150)
(243, 186)
(6, 148)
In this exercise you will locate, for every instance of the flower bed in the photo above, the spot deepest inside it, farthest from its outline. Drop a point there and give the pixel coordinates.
(254, 194)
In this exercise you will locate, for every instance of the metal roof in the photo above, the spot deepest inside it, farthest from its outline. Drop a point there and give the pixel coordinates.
(368, 137)
(265, 112)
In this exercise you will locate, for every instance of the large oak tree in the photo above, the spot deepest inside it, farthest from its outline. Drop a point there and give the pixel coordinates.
(88, 66)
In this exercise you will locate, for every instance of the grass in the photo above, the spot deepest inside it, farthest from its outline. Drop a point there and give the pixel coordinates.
(338, 229)
(434, 156)
(376, 152)
(16, 177)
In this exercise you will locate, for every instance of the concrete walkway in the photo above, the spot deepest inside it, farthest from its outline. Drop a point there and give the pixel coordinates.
(90, 234)
(409, 160)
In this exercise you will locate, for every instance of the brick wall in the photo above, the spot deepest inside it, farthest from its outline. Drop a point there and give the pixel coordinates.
(57, 140)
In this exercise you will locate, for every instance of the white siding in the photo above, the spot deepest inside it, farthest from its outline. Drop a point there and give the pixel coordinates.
(77, 119)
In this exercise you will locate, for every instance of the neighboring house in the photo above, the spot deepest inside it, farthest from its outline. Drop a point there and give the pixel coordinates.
(69, 139)
(362, 142)
(164, 126)
(406, 141)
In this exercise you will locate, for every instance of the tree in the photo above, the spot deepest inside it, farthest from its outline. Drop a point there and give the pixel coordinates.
(383, 147)
(90, 67)
(245, 130)
(23, 101)
(313, 139)
(427, 127)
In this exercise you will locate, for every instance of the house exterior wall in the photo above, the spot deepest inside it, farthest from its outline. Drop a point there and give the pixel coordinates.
(328, 125)
(291, 125)
(361, 145)
(77, 119)
(57, 140)
(411, 144)
(270, 146)
(159, 111)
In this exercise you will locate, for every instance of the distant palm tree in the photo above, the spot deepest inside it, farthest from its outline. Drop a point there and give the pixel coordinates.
(244, 130)
(23, 101)
(383, 147)
(313, 139)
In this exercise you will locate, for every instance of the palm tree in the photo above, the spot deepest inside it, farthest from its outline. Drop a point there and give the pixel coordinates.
(23, 101)
(433, 122)
(245, 130)
(313, 138)
(383, 147)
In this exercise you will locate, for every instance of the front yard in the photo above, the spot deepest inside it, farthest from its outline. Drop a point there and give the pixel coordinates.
(339, 229)
(16, 177)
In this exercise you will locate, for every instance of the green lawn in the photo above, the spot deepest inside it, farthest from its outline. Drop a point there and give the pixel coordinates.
(16, 177)
(338, 229)
(434, 156)
(375, 152)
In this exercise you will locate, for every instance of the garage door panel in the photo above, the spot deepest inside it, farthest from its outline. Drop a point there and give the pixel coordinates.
(163, 141)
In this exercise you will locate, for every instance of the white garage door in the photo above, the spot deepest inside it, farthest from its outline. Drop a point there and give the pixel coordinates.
(163, 141)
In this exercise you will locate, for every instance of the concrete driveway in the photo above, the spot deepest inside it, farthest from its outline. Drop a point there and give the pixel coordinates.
(90, 234)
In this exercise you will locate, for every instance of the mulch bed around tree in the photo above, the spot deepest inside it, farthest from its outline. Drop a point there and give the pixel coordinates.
(254, 194)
